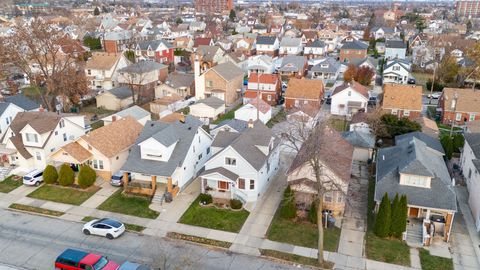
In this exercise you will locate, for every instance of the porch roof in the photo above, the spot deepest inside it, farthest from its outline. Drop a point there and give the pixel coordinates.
(228, 174)
(78, 154)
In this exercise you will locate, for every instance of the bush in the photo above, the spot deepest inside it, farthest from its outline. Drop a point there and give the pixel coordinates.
(312, 214)
(288, 209)
(66, 176)
(86, 176)
(205, 198)
(383, 220)
(235, 204)
(396, 228)
(50, 175)
(400, 126)
(447, 143)
(437, 87)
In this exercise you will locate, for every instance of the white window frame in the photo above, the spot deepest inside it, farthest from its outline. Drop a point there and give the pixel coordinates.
(458, 116)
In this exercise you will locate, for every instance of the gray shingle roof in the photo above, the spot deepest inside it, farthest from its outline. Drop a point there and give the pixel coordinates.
(316, 44)
(3, 106)
(142, 67)
(121, 92)
(293, 63)
(290, 42)
(329, 65)
(228, 70)
(183, 132)
(154, 44)
(23, 102)
(236, 124)
(135, 111)
(360, 139)
(230, 175)
(414, 157)
(177, 80)
(266, 40)
(355, 45)
(473, 140)
(224, 138)
(213, 102)
(396, 44)
(430, 141)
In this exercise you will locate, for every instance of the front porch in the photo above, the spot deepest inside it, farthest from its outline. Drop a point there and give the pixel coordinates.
(144, 187)
(431, 225)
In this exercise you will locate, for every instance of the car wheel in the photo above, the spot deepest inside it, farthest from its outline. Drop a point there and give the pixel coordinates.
(86, 232)
(109, 236)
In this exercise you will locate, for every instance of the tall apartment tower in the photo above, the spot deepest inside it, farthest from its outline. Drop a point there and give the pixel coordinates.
(467, 8)
(213, 6)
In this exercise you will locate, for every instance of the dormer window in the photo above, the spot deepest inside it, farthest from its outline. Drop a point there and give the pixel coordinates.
(31, 137)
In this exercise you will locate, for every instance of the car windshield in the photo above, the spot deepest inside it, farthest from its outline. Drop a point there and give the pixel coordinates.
(100, 263)
(27, 177)
(116, 177)
(112, 223)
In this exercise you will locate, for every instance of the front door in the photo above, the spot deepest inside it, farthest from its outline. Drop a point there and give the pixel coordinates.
(413, 212)
(223, 185)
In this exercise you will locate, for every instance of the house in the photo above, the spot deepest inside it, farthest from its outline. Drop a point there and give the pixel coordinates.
(8, 111)
(307, 115)
(269, 87)
(267, 45)
(397, 71)
(23, 102)
(167, 155)
(415, 167)
(326, 70)
(159, 51)
(33, 136)
(202, 41)
(382, 32)
(395, 49)
(420, 39)
(315, 48)
(291, 46)
(167, 104)
(136, 112)
(242, 164)
(230, 125)
(293, 66)
(380, 47)
(353, 50)
(208, 56)
(459, 105)
(330, 38)
(336, 168)
(182, 84)
(349, 98)
(470, 163)
(115, 99)
(260, 64)
(143, 77)
(224, 81)
(208, 109)
(244, 45)
(102, 69)
(359, 122)
(309, 36)
(97, 150)
(119, 41)
(303, 92)
(402, 100)
(255, 109)
(363, 144)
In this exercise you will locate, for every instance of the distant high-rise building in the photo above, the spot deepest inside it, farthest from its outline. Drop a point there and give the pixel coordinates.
(213, 6)
(467, 8)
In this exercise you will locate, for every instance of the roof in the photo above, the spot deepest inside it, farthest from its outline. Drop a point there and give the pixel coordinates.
(236, 124)
(102, 61)
(304, 88)
(202, 41)
(359, 139)
(177, 80)
(73, 254)
(208, 52)
(212, 101)
(77, 151)
(153, 44)
(291, 42)
(473, 140)
(468, 99)
(404, 63)
(293, 63)
(413, 156)
(135, 111)
(228, 70)
(395, 44)
(260, 104)
(359, 117)
(142, 67)
(122, 132)
(263, 78)
(354, 45)
(3, 106)
(266, 40)
(42, 122)
(316, 44)
(173, 117)
(430, 141)
(362, 90)
(183, 133)
(120, 92)
(402, 96)
(328, 65)
(230, 175)
(23, 102)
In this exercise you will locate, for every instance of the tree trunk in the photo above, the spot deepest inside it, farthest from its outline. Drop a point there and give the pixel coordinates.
(320, 229)
(133, 94)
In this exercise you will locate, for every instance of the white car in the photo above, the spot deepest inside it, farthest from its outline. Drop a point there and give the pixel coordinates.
(107, 227)
(435, 95)
(33, 178)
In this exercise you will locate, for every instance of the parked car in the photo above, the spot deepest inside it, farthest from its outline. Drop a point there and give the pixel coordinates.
(411, 81)
(133, 266)
(107, 227)
(33, 178)
(372, 101)
(328, 100)
(435, 95)
(117, 179)
(72, 259)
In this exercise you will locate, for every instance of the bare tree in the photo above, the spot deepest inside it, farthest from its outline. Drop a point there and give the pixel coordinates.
(38, 49)
(135, 77)
(313, 142)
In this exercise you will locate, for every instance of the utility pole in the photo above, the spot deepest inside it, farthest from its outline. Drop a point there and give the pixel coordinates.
(433, 83)
(258, 95)
(454, 107)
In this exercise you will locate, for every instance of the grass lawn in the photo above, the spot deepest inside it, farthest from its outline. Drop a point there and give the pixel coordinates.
(229, 115)
(128, 205)
(430, 262)
(339, 125)
(33, 209)
(302, 234)
(199, 240)
(60, 194)
(10, 184)
(387, 250)
(295, 258)
(279, 117)
(213, 218)
(422, 78)
(128, 226)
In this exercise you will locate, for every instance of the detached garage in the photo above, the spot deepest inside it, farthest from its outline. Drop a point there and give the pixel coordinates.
(362, 142)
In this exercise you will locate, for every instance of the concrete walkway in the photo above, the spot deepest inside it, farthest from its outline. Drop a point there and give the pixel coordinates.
(100, 196)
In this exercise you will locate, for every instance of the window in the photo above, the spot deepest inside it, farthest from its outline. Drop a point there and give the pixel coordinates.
(38, 155)
(208, 150)
(394, 111)
(406, 113)
(269, 97)
(62, 123)
(327, 197)
(200, 156)
(31, 137)
(56, 133)
(241, 183)
(472, 117)
(349, 93)
(469, 173)
(252, 184)
(268, 167)
(339, 197)
(396, 68)
(305, 102)
(230, 161)
(209, 83)
(89, 72)
(98, 164)
(458, 117)
(297, 102)
(64, 137)
(53, 149)
(9, 120)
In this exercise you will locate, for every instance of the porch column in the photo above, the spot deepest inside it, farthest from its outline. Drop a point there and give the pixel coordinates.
(428, 214)
(125, 179)
(201, 184)
(169, 184)
(154, 182)
(448, 227)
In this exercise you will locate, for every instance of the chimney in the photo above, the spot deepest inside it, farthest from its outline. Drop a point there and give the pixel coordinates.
(114, 118)
(250, 123)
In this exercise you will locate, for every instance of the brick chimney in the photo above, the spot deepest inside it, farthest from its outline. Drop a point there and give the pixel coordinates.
(250, 123)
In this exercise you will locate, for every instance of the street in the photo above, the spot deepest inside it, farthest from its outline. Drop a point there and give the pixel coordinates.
(33, 242)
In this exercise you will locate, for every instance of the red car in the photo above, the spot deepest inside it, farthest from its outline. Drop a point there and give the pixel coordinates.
(72, 259)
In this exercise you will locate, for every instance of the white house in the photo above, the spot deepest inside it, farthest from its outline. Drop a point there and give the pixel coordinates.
(291, 45)
(396, 71)
(33, 136)
(349, 98)
(255, 109)
(315, 48)
(102, 69)
(395, 49)
(242, 164)
(8, 111)
(260, 64)
(208, 109)
(267, 45)
(470, 163)
(136, 112)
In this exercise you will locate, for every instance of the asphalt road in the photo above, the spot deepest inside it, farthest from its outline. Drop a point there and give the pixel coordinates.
(33, 242)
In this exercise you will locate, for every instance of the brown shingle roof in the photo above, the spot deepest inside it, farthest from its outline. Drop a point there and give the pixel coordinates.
(468, 99)
(102, 61)
(40, 121)
(402, 96)
(115, 137)
(75, 150)
(353, 85)
(304, 88)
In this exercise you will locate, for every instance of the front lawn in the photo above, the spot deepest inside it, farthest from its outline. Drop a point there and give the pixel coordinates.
(430, 262)
(128, 205)
(229, 115)
(339, 125)
(303, 234)
(295, 258)
(34, 209)
(60, 194)
(387, 250)
(10, 184)
(214, 218)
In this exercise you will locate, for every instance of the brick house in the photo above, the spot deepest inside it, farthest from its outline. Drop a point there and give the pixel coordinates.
(119, 41)
(303, 92)
(467, 105)
(402, 100)
(269, 86)
(157, 50)
(353, 50)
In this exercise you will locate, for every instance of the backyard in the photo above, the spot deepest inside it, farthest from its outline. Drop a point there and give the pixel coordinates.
(61, 194)
(229, 115)
(129, 205)
(339, 125)
(214, 218)
(10, 183)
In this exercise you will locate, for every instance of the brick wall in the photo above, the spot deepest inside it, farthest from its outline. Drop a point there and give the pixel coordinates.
(448, 116)
(352, 54)
(401, 113)
(290, 103)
